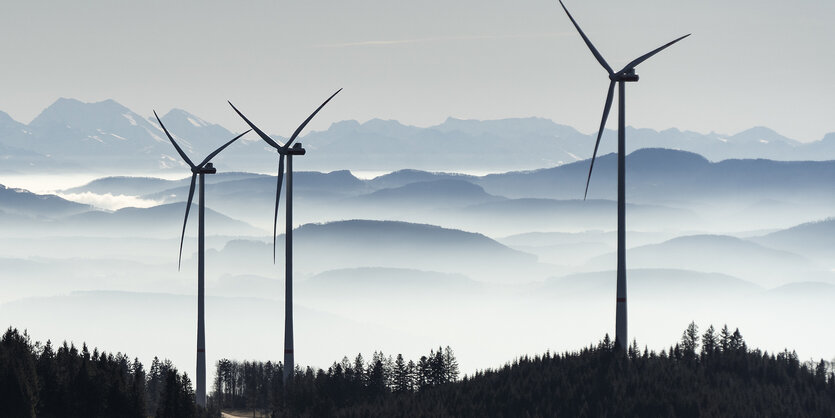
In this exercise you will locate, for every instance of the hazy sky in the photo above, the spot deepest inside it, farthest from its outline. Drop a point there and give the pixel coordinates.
(748, 63)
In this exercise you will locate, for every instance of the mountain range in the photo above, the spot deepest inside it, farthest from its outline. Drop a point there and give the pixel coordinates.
(107, 137)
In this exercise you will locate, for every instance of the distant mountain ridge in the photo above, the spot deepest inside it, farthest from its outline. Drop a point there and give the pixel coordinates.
(741, 258)
(108, 137)
(663, 174)
(812, 238)
(666, 189)
(654, 175)
(439, 192)
(25, 203)
(390, 244)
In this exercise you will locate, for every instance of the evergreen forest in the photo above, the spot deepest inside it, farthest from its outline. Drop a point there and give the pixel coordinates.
(710, 373)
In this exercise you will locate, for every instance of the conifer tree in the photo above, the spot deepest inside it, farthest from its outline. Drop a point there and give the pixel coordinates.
(709, 345)
(411, 376)
(401, 375)
(633, 350)
(690, 342)
(725, 339)
(359, 369)
(450, 365)
(436, 364)
(820, 372)
(424, 373)
(737, 343)
(606, 343)
(375, 375)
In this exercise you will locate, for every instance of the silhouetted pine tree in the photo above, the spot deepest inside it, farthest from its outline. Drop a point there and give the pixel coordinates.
(424, 373)
(412, 376)
(376, 375)
(690, 342)
(450, 365)
(359, 370)
(709, 343)
(725, 339)
(401, 375)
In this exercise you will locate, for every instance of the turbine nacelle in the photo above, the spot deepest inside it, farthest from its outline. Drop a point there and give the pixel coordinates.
(625, 75)
(209, 168)
(296, 149)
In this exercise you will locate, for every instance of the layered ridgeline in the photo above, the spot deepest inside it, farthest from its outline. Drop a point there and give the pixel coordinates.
(395, 218)
(686, 214)
(107, 137)
(418, 259)
(714, 373)
(667, 190)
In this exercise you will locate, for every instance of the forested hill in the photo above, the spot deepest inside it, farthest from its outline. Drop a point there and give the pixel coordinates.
(709, 374)
(712, 374)
(599, 382)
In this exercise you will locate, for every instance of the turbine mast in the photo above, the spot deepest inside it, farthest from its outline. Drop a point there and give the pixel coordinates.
(201, 311)
(289, 360)
(621, 338)
(288, 277)
(200, 383)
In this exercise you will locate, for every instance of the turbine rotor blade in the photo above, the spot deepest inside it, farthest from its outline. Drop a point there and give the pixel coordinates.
(648, 55)
(588, 42)
(277, 197)
(170, 138)
(306, 121)
(260, 133)
(217, 151)
(185, 220)
(606, 109)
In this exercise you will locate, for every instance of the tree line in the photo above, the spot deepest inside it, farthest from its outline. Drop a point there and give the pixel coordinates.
(260, 387)
(710, 373)
(46, 381)
(713, 373)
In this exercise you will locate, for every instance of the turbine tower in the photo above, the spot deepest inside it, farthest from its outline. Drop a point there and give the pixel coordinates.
(205, 167)
(625, 75)
(284, 150)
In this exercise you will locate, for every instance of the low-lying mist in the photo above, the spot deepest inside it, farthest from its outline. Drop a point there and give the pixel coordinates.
(495, 266)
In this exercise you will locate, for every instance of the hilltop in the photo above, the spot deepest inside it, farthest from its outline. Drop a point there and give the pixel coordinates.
(713, 374)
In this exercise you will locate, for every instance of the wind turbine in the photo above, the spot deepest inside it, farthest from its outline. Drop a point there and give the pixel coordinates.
(284, 150)
(625, 75)
(205, 167)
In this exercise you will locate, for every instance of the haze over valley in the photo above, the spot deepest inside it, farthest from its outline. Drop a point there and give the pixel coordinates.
(407, 239)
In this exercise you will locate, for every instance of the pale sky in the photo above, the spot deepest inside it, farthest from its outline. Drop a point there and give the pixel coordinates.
(749, 62)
